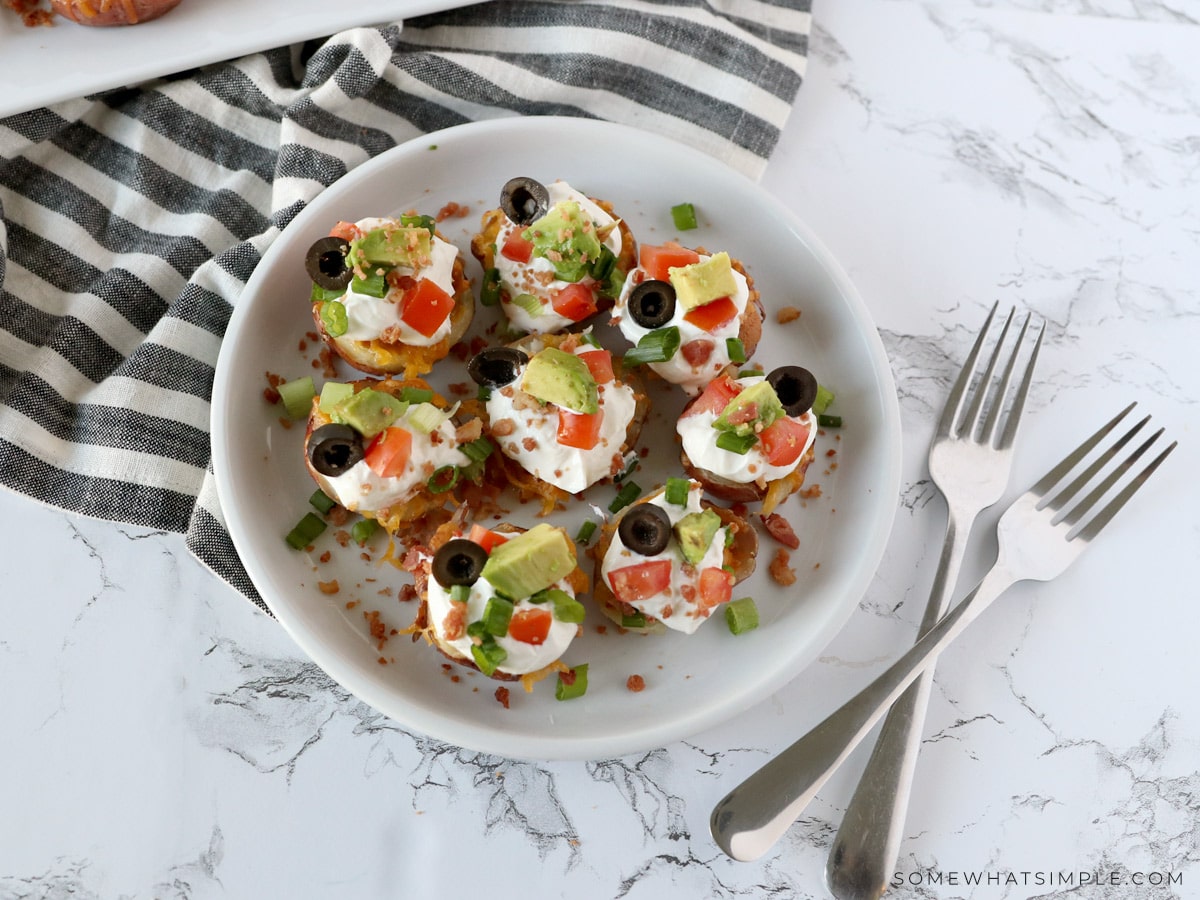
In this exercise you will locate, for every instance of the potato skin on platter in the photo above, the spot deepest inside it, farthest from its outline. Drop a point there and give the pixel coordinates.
(106, 13)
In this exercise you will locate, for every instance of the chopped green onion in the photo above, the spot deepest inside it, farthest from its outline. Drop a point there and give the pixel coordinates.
(826, 421)
(416, 395)
(566, 608)
(321, 502)
(735, 349)
(586, 530)
(636, 620)
(476, 630)
(750, 373)
(334, 318)
(443, 479)
(305, 532)
(427, 222)
(460, 593)
(741, 615)
(363, 530)
(577, 687)
(656, 346)
(823, 399)
(677, 491)
(630, 468)
(374, 285)
(323, 295)
(334, 393)
(425, 417)
(684, 216)
(489, 291)
(728, 538)
(477, 450)
(297, 396)
(528, 302)
(484, 393)
(603, 264)
(496, 615)
(628, 493)
(736, 443)
(588, 338)
(488, 657)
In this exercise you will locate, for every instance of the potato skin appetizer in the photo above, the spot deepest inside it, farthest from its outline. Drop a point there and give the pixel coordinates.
(684, 574)
(106, 13)
(391, 296)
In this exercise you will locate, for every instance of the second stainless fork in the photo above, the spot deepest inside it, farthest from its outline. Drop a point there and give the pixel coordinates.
(970, 460)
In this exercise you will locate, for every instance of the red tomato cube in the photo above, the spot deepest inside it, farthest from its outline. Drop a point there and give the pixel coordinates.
(641, 581)
(530, 626)
(712, 316)
(485, 537)
(784, 441)
(579, 430)
(716, 396)
(516, 247)
(575, 302)
(599, 363)
(388, 453)
(658, 260)
(426, 307)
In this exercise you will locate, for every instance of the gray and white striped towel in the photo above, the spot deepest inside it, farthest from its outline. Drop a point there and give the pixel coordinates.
(131, 220)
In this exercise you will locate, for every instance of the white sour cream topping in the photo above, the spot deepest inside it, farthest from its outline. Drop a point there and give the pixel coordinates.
(537, 277)
(369, 317)
(361, 487)
(568, 468)
(677, 369)
(671, 606)
(700, 444)
(522, 658)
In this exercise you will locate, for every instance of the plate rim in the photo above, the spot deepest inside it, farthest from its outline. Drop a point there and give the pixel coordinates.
(564, 746)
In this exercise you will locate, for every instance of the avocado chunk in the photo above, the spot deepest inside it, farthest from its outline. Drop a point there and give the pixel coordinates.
(703, 282)
(530, 562)
(567, 237)
(555, 376)
(369, 412)
(750, 412)
(391, 245)
(695, 533)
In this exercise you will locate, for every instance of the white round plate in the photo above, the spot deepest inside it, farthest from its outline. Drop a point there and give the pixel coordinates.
(692, 682)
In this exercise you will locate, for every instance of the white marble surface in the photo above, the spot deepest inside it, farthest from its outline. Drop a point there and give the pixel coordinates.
(161, 738)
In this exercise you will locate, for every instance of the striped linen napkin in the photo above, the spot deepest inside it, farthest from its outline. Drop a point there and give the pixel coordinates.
(130, 221)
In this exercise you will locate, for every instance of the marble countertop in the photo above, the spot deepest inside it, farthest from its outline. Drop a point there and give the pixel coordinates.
(162, 738)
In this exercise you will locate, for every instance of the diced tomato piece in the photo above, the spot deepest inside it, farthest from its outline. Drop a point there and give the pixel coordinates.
(599, 362)
(516, 247)
(485, 537)
(579, 430)
(658, 259)
(426, 307)
(575, 302)
(712, 316)
(641, 581)
(716, 586)
(530, 626)
(716, 396)
(347, 231)
(697, 352)
(784, 441)
(744, 414)
(388, 453)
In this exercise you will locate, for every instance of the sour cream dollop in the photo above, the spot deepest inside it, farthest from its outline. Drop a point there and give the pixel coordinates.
(700, 443)
(678, 606)
(361, 487)
(537, 277)
(369, 318)
(533, 440)
(677, 370)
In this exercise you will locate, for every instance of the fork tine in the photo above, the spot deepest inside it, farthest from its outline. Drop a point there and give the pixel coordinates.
(1014, 416)
(1104, 516)
(1081, 509)
(1072, 459)
(1063, 497)
(981, 391)
(954, 401)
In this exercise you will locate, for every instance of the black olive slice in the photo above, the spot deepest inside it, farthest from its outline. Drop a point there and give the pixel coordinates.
(524, 200)
(652, 303)
(795, 387)
(326, 263)
(496, 366)
(334, 449)
(645, 529)
(458, 562)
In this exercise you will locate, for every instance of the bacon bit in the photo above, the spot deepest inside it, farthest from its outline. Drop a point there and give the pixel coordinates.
(502, 696)
(453, 210)
(275, 380)
(601, 629)
(635, 683)
(351, 604)
(529, 443)
(326, 556)
(342, 537)
(327, 367)
(31, 13)
(407, 594)
(831, 452)
(468, 431)
(460, 351)
(688, 592)
(412, 559)
(787, 314)
(382, 661)
(477, 344)
(303, 345)
(697, 353)
(271, 395)
(567, 677)
(312, 335)
(780, 571)
(285, 423)
(460, 389)
(328, 587)
(338, 515)
(779, 528)
(379, 630)
(811, 493)
(455, 622)
(504, 427)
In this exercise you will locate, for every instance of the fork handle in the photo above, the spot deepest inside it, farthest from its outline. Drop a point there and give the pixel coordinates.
(867, 843)
(748, 821)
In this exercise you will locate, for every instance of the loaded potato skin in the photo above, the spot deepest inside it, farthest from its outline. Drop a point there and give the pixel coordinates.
(108, 13)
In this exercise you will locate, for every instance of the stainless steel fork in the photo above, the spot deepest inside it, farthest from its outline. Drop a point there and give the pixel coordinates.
(970, 460)
(1044, 530)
